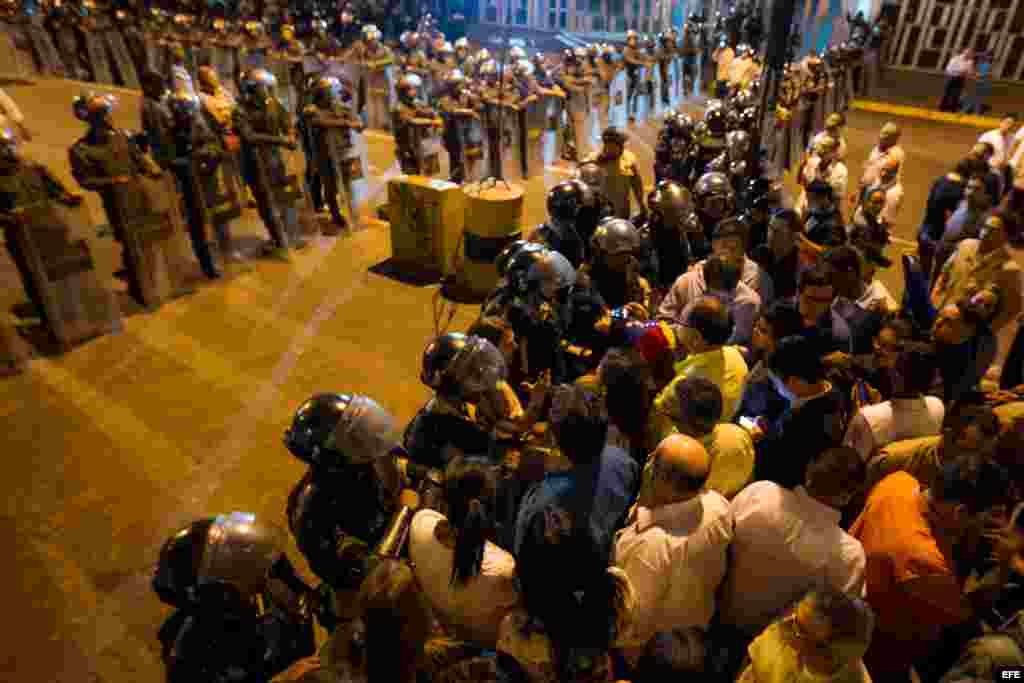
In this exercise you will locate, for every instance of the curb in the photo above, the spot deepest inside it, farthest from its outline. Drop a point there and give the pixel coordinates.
(980, 122)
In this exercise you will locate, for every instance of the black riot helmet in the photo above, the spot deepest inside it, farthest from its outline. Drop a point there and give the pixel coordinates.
(715, 118)
(761, 193)
(714, 196)
(463, 367)
(565, 200)
(220, 563)
(516, 259)
(335, 431)
(671, 202)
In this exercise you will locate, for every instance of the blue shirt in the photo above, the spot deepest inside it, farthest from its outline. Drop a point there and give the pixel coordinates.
(618, 480)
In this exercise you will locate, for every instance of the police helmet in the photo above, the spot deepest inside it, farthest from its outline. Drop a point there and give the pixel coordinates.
(516, 53)
(462, 366)
(670, 200)
(258, 81)
(221, 563)
(747, 119)
(591, 175)
(551, 274)
(565, 199)
(483, 55)
(738, 143)
(455, 78)
(743, 99)
(715, 118)
(334, 431)
(761, 192)
(462, 43)
(569, 57)
(580, 52)
(714, 195)
(615, 236)
(504, 259)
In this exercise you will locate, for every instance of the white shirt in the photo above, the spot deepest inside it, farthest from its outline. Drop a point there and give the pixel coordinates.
(840, 144)
(1001, 146)
(959, 65)
(836, 176)
(875, 160)
(784, 544)
(675, 559)
(474, 610)
(1018, 154)
(876, 294)
(878, 425)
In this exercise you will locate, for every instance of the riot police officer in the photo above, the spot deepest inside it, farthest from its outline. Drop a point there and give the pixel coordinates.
(242, 612)
(715, 199)
(458, 108)
(471, 396)
(670, 226)
(332, 152)
(564, 202)
(341, 507)
(673, 159)
(264, 127)
(512, 264)
(709, 136)
(195, 155)
(614, 268)
(412, 120)
(666, 56)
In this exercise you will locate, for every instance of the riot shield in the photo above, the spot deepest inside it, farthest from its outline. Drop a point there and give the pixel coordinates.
(77, 306)
(47, 57)
(99, 62)
(15, 64)
(155, 233)
(285, 190)
(378, 97)
(127, 75)
(347, 166)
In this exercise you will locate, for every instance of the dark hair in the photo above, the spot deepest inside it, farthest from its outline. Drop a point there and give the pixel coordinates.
(820, 188)
(581, 432)
(721, 275)
(700, 404)
(976, 483)
(797, 356)
(917, 370)
(842, 259)
(783, 318)
(816, 276)
(960, 416)
(970, 167)
(565, 585)
(492, 328)
(791, 217)
(397, 620)
(151, 80)
(470, 491)
(712, 320)
(671, 656)
(835, 471)
(627, 398)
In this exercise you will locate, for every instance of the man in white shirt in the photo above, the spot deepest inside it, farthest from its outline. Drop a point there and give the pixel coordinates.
(823, 165)
(1017, 158)
(674, 557)
(888, 147)
(959, 68)
(834, 124)
(1002, 140)
(786, 542)
(908, 415)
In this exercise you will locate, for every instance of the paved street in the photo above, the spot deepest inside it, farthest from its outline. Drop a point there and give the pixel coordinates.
(111, 446)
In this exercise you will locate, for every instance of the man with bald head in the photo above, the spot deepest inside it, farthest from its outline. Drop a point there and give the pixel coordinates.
(672, 552)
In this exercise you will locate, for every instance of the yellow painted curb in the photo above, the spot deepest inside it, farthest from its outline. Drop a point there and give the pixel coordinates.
(982, 122)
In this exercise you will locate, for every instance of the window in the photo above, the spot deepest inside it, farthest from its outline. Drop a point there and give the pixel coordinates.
(597, 7)
(599, 22)
(617, 8)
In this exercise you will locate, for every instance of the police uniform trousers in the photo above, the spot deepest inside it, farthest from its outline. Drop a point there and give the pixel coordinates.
(196, 216)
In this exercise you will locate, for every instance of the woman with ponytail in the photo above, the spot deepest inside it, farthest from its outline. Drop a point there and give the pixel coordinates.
(468, 580)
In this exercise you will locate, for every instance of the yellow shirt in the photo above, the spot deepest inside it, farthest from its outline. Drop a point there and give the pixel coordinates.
(723, 367)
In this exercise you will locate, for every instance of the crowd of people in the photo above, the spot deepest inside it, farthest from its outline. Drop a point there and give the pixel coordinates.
(690, 432)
